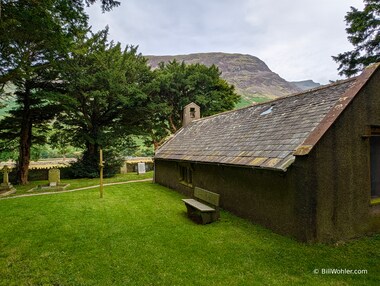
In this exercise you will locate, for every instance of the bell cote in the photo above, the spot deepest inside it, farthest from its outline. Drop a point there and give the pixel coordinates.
(190, 112)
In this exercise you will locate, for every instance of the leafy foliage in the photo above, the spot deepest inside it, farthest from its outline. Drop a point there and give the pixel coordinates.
(88, 166)
(35, 37)
(176, 85)
(106, 5)
(105, 93)
(105, 96)
(364, 34)
(252, 78)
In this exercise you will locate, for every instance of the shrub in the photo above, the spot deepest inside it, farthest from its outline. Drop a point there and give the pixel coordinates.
(88, 165)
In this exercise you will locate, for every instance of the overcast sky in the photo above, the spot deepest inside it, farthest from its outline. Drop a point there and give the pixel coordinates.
(295, 38)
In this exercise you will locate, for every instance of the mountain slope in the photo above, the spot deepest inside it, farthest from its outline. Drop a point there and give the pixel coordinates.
(251, 76)
(306, 84)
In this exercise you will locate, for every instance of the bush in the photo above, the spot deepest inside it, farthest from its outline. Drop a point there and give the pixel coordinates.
(88, 166)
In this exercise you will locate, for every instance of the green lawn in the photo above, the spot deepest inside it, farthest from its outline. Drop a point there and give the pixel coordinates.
(81, 183)
(138, 234)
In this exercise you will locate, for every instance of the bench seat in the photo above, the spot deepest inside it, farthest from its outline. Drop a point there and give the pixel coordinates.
(198, 205)
(204, 208)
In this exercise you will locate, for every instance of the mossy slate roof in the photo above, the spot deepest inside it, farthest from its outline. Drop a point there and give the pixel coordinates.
(267, 135)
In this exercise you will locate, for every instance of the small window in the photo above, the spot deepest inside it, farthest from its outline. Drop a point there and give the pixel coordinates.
(186, 175)
(182, 173)
(190, 176)
(192, 112)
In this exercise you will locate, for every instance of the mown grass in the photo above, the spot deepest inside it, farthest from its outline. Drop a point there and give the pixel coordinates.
(138, 234)
(81, 183)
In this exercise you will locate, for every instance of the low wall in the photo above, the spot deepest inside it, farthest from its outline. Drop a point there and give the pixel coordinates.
(35, 175)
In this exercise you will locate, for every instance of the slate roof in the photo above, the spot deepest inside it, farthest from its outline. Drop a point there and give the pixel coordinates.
(267, 135)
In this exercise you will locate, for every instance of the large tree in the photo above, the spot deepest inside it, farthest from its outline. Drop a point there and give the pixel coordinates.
(107, 5)
(35, 37)
(106, 96)
(178, 84)
(364, 34)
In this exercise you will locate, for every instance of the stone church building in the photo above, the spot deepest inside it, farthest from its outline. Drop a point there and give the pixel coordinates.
(306, 165)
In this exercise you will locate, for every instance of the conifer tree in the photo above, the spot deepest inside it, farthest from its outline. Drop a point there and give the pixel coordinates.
(105, 100)
(364, 34)
(35, 38)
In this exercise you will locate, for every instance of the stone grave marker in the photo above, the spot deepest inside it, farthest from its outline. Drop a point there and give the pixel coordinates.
(141, 168)
(6, 186)
(54, 177)
(6, 170)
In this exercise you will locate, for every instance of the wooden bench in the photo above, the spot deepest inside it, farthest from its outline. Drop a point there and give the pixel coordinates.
(204, 208)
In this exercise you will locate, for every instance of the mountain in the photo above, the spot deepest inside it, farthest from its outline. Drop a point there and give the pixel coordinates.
(252, 78)
(306, 84)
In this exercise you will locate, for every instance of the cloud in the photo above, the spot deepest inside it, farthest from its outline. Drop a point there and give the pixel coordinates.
(295, 38)
(299, 37)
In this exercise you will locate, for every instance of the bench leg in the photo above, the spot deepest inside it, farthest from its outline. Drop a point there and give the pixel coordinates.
(193, 214)
(201, 217)
(215, 215)
(206, 217)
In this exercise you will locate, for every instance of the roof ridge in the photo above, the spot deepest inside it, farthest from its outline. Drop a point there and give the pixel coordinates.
(338, 82)
(345, 99)
(281, 98)
(272, 139)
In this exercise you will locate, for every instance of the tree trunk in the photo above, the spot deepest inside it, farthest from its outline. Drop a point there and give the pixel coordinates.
(91, 154)
(25, 141)
(91, 149)
(172, 125)
(156, 145)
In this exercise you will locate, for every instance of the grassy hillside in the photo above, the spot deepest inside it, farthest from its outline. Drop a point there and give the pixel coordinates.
(306, 84)
(245, 102)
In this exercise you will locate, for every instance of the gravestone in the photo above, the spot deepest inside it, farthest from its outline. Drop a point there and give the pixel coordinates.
(141, 168)
(54, 177)
(6, 186)
(6, 170)
(124, 168)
